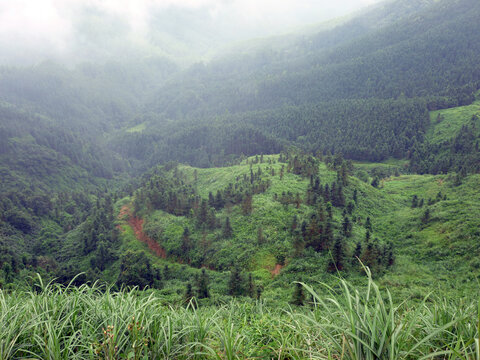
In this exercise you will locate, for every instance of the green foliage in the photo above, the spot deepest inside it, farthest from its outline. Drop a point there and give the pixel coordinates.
(346, 321)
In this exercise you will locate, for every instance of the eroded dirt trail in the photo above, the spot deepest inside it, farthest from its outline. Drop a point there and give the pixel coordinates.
(276, 270)
(137, 227)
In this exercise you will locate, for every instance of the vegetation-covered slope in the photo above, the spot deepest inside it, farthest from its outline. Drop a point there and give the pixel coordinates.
(397, 70)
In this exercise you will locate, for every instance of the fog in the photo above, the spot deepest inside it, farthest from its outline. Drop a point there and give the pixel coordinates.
(183, 30)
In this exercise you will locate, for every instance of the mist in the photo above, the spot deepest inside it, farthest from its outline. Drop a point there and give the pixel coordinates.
(73, 31)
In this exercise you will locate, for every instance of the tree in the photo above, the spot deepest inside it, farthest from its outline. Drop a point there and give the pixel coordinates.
(358, 251)
(235, 283)
(188, 296)
(368, 224)
(347, 227)
(426, 216)
(298, 297)
(227, 228)
(247, 204)
(260, 237)
(186, 243)
(203, 212)
(294, 223)
(337, 255)
(202, 285)
(251, 286)
(414, 201)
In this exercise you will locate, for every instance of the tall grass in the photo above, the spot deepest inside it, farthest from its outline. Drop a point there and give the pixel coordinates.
(92, 322)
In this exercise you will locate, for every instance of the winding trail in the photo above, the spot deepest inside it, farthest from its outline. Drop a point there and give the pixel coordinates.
(137, 226)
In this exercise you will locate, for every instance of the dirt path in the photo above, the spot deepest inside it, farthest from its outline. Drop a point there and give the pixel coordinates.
(137, 227)
(276, 271)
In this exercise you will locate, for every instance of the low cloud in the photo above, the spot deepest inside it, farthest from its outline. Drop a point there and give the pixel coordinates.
(31, 31)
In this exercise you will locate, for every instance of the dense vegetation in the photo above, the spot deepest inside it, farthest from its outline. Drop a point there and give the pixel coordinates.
(86, 323)
(365, 95)
(176, 210)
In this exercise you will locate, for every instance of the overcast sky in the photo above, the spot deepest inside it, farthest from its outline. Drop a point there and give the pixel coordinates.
(31, 30)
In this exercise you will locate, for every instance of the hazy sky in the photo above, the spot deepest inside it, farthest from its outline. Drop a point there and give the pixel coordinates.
(31, 30)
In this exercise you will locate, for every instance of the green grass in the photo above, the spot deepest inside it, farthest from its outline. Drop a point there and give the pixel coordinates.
(344, 322)
(451, 123)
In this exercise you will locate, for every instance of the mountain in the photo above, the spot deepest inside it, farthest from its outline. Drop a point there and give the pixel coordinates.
(422, 53)
(395, 83)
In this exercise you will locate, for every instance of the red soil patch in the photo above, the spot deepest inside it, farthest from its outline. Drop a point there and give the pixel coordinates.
(137, 226)
(277, 269)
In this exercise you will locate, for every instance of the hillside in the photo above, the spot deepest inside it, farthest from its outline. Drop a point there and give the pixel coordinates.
(283, 226)
(419, 56)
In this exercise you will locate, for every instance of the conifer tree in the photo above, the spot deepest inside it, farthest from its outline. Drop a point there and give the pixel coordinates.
(368, 224)
(202, 285)
(294, 225)
(337, 255)
(188, 296)
(186, 243)
(298, 295)
(251, 287)
(426, 216)
(235, 283)
(247, 205)
(414, 201)
(358, 251)
(260, 236)
(227, 228)
(347, 227)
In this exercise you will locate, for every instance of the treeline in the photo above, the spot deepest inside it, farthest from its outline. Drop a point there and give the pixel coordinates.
(198, 143)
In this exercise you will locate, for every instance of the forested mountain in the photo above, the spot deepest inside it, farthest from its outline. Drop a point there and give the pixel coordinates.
(398, 80)
(425, 55)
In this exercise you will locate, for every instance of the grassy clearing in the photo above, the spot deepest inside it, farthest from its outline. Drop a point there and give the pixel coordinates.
(446, 123)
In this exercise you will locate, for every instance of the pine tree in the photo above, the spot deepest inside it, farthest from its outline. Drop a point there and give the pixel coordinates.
(347, 227)
(251, 287)
(294, 225)
(367, 236)
(186, 243)
(166, 273)
(247, 205)
(235, 283)
(211, 200)
(298, 244)
(368, 224)
(338, 255)
(414, 201)
(203, 213)
(227, 229)
(202, 285)
(219, 203)
(358, 251)
(426, 216)
(298, 295)
(260, 237)
(188, 296)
